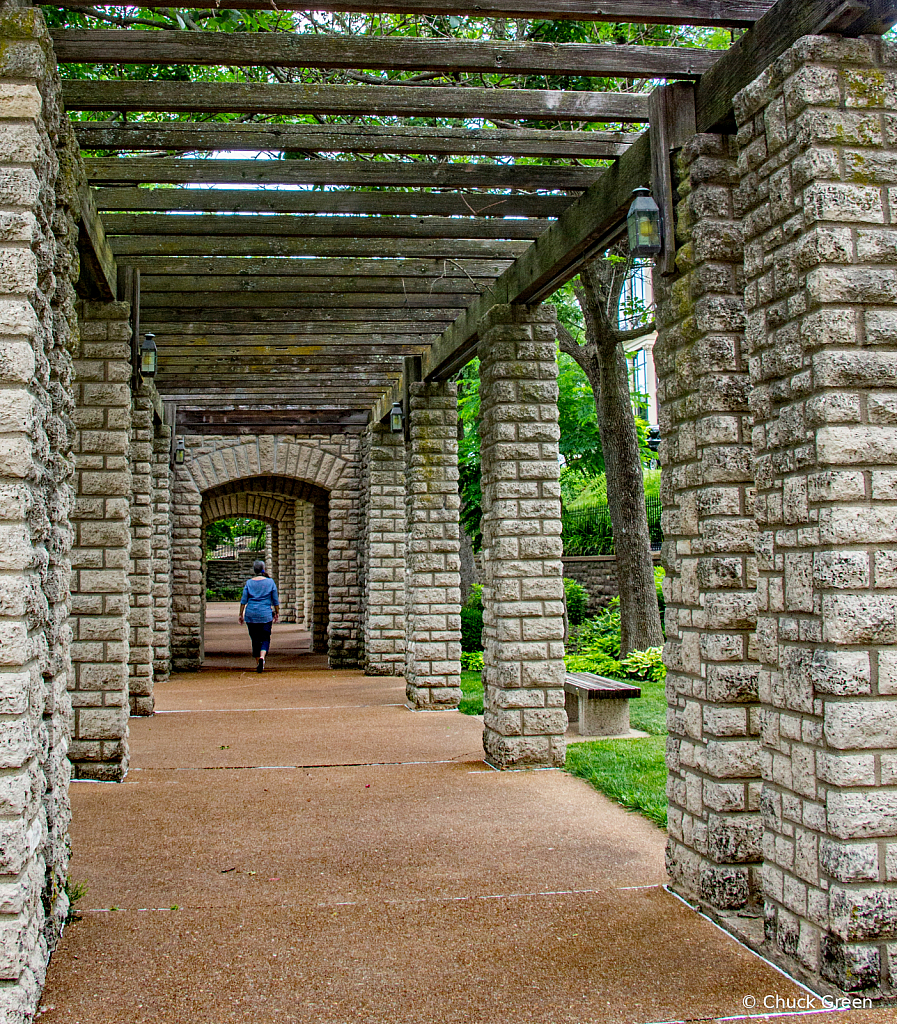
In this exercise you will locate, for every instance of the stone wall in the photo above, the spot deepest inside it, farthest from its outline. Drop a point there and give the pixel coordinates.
(598, 574)
(523, 593)
(818, 159)
(231, 572)
(38, 330)
(714, 825)
(432, 557)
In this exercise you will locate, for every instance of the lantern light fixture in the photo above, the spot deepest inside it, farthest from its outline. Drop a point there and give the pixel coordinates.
(149, 356)
(643, 224)
(180, 452)
(396, 418)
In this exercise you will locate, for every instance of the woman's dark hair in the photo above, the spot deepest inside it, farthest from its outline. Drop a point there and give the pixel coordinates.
(258, 568)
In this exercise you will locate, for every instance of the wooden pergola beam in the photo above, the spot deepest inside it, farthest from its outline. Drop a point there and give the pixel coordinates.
(380, 294)
(282, 270)
(98, 278)
(127, 246)
(721, 13)
(185, 136)
(180, 321)
(412, 174)
(459, 204)
(292, 50)
(279, 226)
(380, 100)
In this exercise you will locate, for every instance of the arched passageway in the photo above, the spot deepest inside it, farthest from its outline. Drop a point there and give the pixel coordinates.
(296, 514)
(308, 492)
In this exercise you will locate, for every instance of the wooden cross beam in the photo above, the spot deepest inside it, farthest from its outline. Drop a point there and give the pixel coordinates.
(389, 100)
(279, 226)
(292, 50)
(339, 172)
(185, 136)
(459, 204)
(241, 272)
(722, 13)
(127, 246)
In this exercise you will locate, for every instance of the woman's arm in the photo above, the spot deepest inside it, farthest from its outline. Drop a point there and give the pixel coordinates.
(242, 609)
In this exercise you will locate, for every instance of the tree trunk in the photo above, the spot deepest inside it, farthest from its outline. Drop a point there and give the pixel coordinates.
(604, 364)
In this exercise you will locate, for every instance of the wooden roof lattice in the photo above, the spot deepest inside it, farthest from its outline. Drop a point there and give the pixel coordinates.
(288, 290)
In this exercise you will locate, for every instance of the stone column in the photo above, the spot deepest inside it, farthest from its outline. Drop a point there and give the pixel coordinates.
(384, 599)
(432, 560)
(523, 620)
(286, 570)
(819, 180)
(38, 331)
(101, 557)
(345, 638)
(187, 594)
(304, 526)
(140, 686)
(161, 553)
(321, 608)
(714, 845)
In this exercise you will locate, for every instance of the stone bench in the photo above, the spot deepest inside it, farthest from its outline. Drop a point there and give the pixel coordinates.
(596, 705)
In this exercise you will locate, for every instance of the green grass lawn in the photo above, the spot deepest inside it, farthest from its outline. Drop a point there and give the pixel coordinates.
(471, 693)
(632, 772)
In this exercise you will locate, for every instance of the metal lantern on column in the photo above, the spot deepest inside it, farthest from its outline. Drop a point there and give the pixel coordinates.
(149, 356)
(643, 224)
(180, 452)
(396, 418)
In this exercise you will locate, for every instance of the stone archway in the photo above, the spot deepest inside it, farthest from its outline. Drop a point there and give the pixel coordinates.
(296, 513)
(309, 488)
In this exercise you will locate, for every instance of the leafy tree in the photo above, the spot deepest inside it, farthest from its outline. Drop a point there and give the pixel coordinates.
(602, 359)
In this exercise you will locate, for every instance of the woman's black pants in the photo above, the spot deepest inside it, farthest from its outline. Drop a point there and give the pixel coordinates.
(260, 634)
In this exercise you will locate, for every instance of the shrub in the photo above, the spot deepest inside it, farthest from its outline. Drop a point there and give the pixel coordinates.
(647, 665)
(224, 593)
(472, 621)
(659, 577)
(577, 598)
(472, 661)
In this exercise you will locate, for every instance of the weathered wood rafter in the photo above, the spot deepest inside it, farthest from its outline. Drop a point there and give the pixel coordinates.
(380, 100)
(119, 170)
(723, 13)
(458, 204)
(291, 50)
(277, 269)
(125, 246)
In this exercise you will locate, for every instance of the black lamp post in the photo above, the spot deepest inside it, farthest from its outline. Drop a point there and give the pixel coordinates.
(149, 356)
(396, 418)
(643, 225)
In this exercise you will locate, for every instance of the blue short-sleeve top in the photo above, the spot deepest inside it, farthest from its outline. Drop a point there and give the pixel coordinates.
(259, 596)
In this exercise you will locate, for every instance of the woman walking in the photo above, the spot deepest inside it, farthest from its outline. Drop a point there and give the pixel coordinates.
(259, 609)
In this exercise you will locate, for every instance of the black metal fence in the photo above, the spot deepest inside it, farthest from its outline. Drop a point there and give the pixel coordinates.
(236, 547)
(588, 531)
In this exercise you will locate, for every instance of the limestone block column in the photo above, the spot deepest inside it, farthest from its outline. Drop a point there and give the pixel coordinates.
(345, 639)
(819, 167)
(321, 608)
(304, 526)
(714, 845)
(38, 331)
(523, 624)
(161, 553)
(101, 557)
(140, 685)
(286, 570)
(187, 593)
(384, 604)
(432, 558)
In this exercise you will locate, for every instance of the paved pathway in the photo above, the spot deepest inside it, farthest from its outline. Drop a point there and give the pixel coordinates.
(299, 847)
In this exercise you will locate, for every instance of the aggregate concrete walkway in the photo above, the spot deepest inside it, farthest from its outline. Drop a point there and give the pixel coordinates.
(299, 847)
